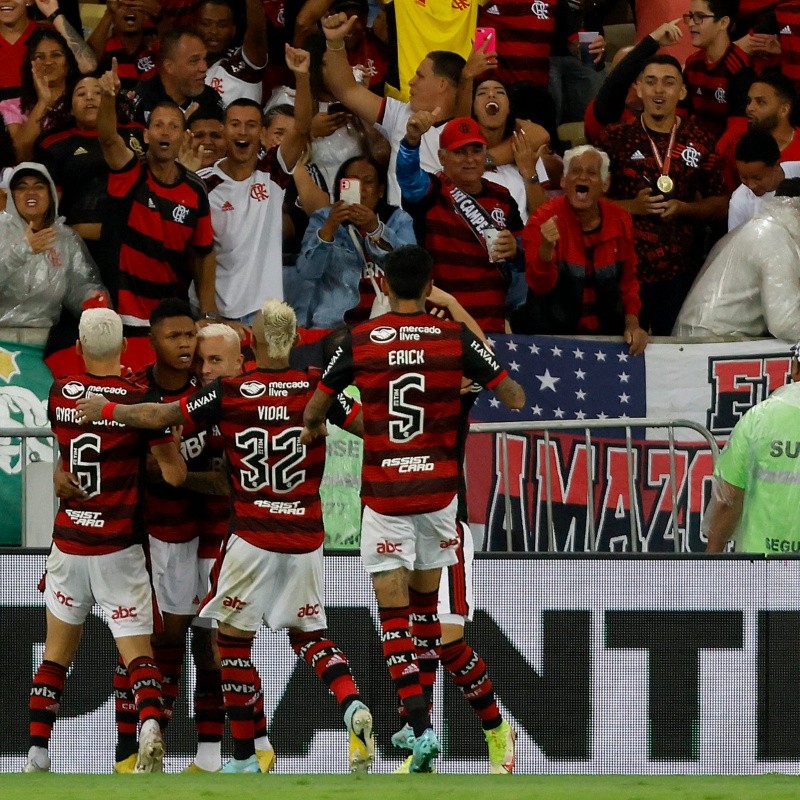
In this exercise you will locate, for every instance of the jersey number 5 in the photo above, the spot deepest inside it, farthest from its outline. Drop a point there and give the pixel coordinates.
(257, 472)
(407, 420)
(84, 462)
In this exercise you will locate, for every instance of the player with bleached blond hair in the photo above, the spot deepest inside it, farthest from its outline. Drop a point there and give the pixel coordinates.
(97, 556)
(272, 569)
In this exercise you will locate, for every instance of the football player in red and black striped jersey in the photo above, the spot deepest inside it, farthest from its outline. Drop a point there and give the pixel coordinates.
(271, 569)
(97, 553)
(409, 368)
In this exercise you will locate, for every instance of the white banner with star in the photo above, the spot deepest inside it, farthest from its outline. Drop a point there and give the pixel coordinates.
(584, 379)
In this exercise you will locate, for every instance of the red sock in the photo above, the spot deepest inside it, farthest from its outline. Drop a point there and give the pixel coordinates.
(146, 685)
(398, 650)
(170, 662)
(328, 661)
(209, 706)
(238, 689)
(126, 715)
(44, 702)
(426, 632)
(469, 672)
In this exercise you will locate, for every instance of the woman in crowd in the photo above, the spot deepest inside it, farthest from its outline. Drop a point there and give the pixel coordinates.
(43, 263)
(74, 159)
(346, 243)
(49, 74)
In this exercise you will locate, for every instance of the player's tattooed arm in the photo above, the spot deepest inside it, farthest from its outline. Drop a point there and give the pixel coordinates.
(314, 417)
(95, 407)
(510, 393)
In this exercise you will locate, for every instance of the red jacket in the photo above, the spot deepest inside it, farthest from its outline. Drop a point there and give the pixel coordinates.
(562, 278)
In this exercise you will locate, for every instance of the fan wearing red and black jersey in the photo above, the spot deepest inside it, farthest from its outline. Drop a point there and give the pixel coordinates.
(271, 569)
(97, 553)
(408, 368)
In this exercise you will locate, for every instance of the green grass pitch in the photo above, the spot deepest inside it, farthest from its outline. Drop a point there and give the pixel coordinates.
(397, 787)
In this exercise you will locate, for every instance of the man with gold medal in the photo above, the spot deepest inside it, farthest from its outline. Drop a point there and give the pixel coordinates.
(665, 172)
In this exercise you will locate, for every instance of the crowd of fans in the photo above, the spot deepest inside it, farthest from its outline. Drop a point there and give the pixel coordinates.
(223, 151)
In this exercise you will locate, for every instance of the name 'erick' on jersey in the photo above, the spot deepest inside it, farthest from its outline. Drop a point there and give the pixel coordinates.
(408, 368)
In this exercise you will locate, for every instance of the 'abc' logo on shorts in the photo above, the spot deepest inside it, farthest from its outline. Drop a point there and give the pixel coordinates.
(308, 610)
(252, 389)
(388, 547)
(383, 335)
(445, 543)
(72, 390)
(123, 613)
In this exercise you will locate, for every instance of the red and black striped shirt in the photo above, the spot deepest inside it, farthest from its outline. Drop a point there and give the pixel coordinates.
(715, 92)
(524, 33)
(408, 368)
(131, 67)
(788, 18)
(461, 264)
(170, 510)
(149, 234)
(108, 460)
(275, 480)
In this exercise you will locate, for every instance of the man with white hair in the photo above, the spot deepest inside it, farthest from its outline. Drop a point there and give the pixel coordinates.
(273, 557)
(97, 556)
(580, 260)
(664, 171)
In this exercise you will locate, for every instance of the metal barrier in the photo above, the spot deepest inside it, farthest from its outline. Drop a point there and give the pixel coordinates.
(36, 486)
(504, 428)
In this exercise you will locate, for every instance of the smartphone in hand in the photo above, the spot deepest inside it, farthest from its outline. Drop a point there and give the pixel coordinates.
(487, 35)
(350, 190)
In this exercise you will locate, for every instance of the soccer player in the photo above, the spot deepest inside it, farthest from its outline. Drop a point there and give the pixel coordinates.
(409, 369)
(97, 553)
(455, 608)
(171, 525)
(272, 564)
(218, 355)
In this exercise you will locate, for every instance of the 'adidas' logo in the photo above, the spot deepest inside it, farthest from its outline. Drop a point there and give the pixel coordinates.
(699, 90)
(637, 156)
(493, 10)
(786, 29)
(227, 206)
(80, 152)
(150, 203)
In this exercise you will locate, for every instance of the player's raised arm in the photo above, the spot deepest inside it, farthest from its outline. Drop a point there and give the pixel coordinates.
(141, 415)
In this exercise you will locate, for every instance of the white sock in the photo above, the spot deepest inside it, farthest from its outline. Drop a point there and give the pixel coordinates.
(39, 756)
(263, 743)
(209, 756)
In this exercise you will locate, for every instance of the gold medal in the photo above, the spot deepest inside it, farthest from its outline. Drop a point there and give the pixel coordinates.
(665, 184)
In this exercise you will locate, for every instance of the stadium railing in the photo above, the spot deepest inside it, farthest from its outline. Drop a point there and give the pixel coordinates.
(503, 429)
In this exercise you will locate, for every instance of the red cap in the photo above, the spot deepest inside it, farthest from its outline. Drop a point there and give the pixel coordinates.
(459, 132)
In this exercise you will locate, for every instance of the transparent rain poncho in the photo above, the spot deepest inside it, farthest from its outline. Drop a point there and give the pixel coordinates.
(34, 286)
(750, 283)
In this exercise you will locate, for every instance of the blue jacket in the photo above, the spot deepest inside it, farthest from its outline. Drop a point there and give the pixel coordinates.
(336, 267)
